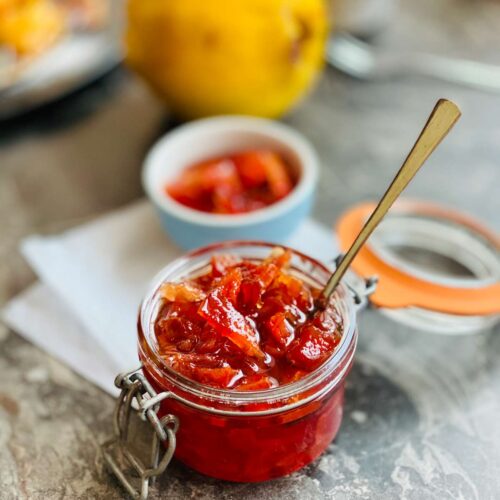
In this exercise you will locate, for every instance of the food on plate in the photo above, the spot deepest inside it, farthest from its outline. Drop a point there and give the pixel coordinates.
(233, 184)
(29, 27)
(245, 325)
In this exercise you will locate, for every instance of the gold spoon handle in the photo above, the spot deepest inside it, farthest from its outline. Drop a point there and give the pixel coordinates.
(443, 117)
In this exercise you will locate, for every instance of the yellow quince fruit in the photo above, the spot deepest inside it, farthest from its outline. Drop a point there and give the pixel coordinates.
(208, 57)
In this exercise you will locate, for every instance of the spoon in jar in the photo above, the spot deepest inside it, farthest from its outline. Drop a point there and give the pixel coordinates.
(444, 115)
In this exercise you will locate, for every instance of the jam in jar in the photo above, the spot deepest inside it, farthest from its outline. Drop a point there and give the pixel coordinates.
(256, 375)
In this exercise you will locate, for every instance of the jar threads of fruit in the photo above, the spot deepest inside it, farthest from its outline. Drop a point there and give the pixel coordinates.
(251, 435)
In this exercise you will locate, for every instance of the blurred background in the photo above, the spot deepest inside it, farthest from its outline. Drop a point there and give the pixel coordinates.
(76, 123)
(87, 86)
(86, 143)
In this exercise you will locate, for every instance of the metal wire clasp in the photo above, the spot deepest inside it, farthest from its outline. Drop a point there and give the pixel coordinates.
(361, 289)
(138, 394)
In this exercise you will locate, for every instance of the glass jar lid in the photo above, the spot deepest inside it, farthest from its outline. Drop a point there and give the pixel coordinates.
(438, 270)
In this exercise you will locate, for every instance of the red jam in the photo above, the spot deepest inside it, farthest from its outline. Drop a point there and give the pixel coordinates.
(233, 184)
(262, 386)
(244, 325)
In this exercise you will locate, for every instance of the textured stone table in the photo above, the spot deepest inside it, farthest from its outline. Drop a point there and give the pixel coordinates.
(422, 411)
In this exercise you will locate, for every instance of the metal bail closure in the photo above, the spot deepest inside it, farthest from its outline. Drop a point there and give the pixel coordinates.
(138, 394)
(361, 288)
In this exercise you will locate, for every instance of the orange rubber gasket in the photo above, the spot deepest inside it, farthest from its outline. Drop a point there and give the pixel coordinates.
(396, 288)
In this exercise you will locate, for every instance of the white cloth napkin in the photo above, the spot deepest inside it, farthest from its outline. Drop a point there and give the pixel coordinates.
(84, 310)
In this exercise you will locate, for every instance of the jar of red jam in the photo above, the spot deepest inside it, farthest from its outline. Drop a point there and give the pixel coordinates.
(243, 436)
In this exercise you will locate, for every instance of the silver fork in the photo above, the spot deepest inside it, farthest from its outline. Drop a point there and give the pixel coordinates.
(368, 62)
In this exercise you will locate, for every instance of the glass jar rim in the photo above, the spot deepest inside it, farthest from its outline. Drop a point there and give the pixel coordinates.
(342, 298)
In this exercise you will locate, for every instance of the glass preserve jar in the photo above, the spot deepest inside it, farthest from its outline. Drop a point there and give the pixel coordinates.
(259, 435)
(233, 435)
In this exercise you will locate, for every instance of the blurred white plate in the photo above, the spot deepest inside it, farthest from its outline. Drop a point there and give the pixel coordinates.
(74, 62)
